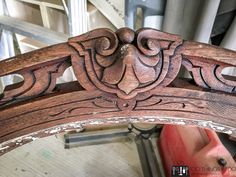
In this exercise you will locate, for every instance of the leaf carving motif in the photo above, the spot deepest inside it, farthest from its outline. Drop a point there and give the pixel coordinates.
(126, 62)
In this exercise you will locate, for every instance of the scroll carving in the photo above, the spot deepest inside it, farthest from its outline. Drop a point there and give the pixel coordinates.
(208, 74)
(125, 63)
(36, 82)
(127, 76)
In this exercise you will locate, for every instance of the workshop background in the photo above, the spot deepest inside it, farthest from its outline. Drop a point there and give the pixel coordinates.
(27, 25)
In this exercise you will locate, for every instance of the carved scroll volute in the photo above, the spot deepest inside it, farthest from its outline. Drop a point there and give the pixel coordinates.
(37, 81)
(206, 63)
(125, 63)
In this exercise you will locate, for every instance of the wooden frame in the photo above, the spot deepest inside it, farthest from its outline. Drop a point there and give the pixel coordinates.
(123, 77)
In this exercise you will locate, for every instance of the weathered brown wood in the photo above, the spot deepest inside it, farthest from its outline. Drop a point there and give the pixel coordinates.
(125, 63)
(126, 76)
(202, 50)
(35, 59)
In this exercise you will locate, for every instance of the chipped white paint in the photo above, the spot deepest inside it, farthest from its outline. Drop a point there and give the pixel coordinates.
(179, 123)
(152, 120)
(3, 148)
(79, 126)
(96, 122)
(64, 128)
(229, 132)
(75, 125)
(20, 140)
(220, 128)
(204, 123)
(56, 130)
(31, 138)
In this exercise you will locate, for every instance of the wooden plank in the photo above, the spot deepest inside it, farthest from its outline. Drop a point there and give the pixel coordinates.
(212, 52)
(32, 43)
(112, 10)
(44, 13)
(25, 60)
(32, 31)
(50, 5)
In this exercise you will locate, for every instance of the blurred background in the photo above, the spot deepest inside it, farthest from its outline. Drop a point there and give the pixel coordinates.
(27, 25)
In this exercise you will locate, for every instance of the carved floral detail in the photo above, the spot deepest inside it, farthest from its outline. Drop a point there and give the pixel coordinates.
(125, 62)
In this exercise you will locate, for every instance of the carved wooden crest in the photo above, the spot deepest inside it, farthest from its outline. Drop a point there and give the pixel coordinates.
(125, 62)
(122, 76)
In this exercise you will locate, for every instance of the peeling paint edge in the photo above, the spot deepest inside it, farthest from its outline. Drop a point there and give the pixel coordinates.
(79, 126)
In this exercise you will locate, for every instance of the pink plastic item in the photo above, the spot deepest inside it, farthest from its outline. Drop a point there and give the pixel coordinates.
(198, 151)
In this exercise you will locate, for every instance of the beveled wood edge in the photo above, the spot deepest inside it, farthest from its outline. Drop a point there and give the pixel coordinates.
(198, 108)
(122, 70)
(189, 48)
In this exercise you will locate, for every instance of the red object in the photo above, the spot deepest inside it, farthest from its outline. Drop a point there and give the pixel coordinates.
(200, 150)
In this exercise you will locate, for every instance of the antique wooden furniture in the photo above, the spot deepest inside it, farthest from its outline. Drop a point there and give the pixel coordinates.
(123, 76)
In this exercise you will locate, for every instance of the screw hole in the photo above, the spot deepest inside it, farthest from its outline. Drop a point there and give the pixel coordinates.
(222, 162)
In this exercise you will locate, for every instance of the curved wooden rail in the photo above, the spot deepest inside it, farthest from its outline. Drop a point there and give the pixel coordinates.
(124, 76)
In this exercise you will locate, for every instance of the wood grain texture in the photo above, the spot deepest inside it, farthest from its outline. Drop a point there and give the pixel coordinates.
(126, 76)
(125, 63)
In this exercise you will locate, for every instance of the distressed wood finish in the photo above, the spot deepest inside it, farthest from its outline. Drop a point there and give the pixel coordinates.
(123, 77)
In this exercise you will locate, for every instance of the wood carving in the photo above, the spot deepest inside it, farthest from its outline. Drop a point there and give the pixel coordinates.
(125, 62)
(123, 76)
(36, 82)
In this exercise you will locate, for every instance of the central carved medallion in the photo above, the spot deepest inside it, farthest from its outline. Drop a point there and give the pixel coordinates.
(126, 62)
